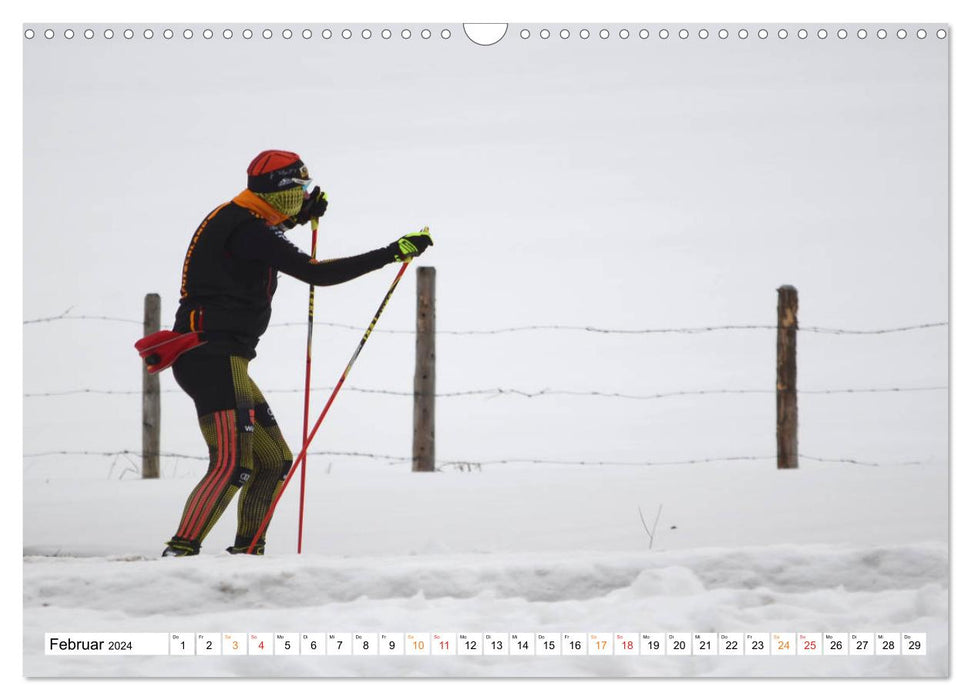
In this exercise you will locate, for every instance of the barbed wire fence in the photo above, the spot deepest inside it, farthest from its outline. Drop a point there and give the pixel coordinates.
(67, 316)
(508, 391)
(399, 459)
(123, 460)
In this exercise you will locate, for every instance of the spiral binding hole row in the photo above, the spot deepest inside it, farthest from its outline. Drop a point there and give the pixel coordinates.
(366, 34)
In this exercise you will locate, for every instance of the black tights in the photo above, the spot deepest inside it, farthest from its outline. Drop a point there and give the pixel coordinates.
(247, 452)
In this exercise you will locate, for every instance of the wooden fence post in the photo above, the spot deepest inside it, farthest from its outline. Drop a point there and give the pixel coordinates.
(151, 399)
(423, 445)
(787, 410)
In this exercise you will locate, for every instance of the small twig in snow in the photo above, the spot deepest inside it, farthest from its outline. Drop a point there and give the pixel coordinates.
(650, 531)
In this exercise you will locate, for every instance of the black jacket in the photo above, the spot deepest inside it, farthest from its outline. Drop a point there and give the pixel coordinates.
(230, 275)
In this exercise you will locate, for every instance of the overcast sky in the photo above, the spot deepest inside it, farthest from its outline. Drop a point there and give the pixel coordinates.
(625, 184)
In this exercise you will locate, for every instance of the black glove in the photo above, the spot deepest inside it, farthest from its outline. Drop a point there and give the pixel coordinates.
(313, 207)
(410, 245)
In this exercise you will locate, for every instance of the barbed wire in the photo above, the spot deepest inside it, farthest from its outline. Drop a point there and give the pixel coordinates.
(689, 330)
(506, 461)
(197, 457)
(494, 392)
(877, 331)
(330, 453)
(547, 327)
(80, 317)
(502, 391)
(861, 462)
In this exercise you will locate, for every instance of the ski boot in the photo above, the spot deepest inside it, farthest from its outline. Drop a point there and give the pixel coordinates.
(243, 543)
(178, 547)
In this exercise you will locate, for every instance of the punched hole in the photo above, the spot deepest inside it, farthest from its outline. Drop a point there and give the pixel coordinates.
(485, 34)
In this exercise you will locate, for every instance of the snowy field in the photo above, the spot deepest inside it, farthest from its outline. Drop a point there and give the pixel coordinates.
(738, 547)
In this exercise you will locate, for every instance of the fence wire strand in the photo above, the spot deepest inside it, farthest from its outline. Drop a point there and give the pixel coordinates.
(689, 330)
(505, 391)
(398, 459)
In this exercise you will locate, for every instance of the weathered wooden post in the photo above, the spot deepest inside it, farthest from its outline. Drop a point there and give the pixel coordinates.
(423, 445)
(787, 410)
(151, 399)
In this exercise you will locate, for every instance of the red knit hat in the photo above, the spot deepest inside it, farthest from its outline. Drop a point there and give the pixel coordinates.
(272, 171)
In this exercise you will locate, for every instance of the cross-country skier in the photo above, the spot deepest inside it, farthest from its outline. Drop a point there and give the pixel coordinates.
(228, 280)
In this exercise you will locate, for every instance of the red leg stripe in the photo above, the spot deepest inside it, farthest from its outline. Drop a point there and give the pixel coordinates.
(205, 488)
(224, 476)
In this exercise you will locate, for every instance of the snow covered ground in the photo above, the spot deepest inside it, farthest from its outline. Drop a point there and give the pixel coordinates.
(738, 548)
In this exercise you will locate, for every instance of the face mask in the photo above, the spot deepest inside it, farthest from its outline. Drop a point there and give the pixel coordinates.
(286, 202)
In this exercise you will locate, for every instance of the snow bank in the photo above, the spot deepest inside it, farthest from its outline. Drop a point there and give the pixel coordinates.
(808, 589)
(739, 548)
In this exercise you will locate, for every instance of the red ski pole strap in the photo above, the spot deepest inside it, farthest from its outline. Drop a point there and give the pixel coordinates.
(159, 350)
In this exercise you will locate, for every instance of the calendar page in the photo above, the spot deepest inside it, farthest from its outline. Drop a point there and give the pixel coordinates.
(536, 349)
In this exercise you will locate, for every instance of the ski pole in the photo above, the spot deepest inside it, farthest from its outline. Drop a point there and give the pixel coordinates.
(302, 457)
(306, 389)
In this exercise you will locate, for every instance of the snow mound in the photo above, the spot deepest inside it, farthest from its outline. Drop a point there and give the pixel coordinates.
(799, 588)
